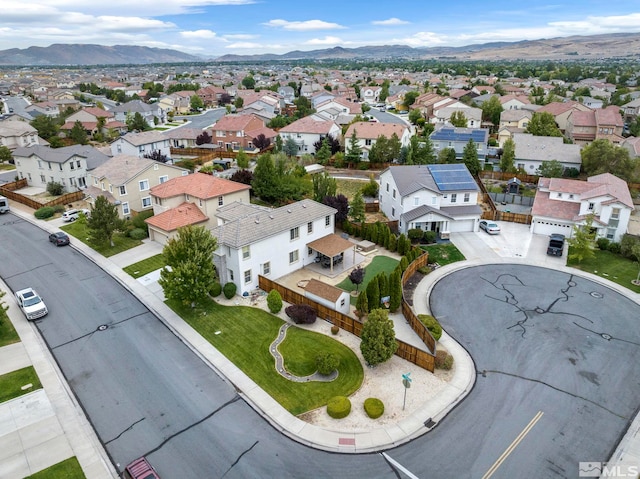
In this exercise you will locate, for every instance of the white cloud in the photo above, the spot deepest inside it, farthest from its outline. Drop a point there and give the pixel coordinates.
(199, 34)
(422, 39)
(303, 26)
(325, 41)
(390, 22)
(240, 36)
(255, 46)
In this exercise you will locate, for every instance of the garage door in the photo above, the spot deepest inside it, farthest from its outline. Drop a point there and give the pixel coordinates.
(461, 226)
(543, 227)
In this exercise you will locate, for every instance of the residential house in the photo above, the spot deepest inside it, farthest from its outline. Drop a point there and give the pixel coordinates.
(151, 112)
(441, 198)
(254, 240)
(472, 114)
(593, 103)
(182, 137)
(141, 144)
(16, 133)
(307, 131)
(339, 106)
(457, 138)
(210, 95)
(47, 108)
(513, 102)
(562, 110)
(583, 127)
(632, 144)
(370, 94)
(69, 165)
(631, 110)
(191, 200)
(287, 93)
(177, 103)
(93, 119)
(531, 151)
(236, 131)
(511, 122)
(368, 132)
(561, 203)
(428, 102)
(126, 181)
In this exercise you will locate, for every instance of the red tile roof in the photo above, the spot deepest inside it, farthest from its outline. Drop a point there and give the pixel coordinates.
(544, 206)
(183, 215)
(198, 185)
(309, 125)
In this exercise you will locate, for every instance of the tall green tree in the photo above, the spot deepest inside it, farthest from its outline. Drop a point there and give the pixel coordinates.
(395, 291)
(191, 273)
(323, 185)
(508, 156)
(323, 155)
(409, 99)
(362, 304)
(290, 147)
(458, 119)
(249, 82)
(47, 127)
(543, 124)
(196, 103)
(357, 213)
(551, 169)
(601, 156)
(583, 241)
(78, 134)
(136, 122)
(104, 221)
(354, 151)
(373, 293)
(5, 154)
(447, 155)
(491, 110)
(378, 338)
(422, 152)
(242, 159)
(265, 181)
(470, 157)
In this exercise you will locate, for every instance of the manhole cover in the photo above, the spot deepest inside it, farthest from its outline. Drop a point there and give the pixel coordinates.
(606, 336)
(597, 295)
(102, 327)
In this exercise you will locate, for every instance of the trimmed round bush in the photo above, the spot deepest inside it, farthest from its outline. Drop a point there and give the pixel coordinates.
(373, 407)
(335, 329)
(229, 290)
(327, 363)
(430, 237)
(301, 313)
(274, 301)
(215, 290)
(338, 407)
(603, 243)
(443, 360)
(137, 233)
(615, 248)
(432, 325)
(58, 208)
(44, 212)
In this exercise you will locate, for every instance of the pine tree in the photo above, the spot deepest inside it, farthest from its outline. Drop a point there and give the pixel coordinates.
(357, 208)
(373, 293)
(362, 304)
(378, 339)
(395, 291)
(383, 284)
(470, 157)
(104, 221)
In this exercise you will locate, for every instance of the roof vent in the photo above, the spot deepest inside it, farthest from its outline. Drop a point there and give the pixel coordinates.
(257, 220)
(271, 216)
(288, 210)
(304, 205)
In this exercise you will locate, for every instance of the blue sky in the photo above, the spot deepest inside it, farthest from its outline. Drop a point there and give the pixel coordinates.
(213, 28)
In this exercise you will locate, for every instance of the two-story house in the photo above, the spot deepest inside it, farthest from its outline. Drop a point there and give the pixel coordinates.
(141, 144)
(457, 138)
(126, 181)
(583, 127)
(17, 133)
(151, 112)
(511, 122)
(307, 131)
(236, 131)
(47, 108)
(531, 151)
(191, 200)
(254, 240)
(631, 110)
(370, 94)
(562, 110)
(367, 133)
(443, 115)
(68, 165)
(561, 203)
(441, 198)
(93, 119)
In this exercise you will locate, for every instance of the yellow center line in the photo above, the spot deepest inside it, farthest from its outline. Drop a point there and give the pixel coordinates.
(512, 446)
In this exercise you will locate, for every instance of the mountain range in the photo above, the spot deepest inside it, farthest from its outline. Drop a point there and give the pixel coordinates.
(610, 46)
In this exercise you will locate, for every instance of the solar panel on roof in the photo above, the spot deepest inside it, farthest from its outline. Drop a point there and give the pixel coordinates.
(452, 177)
(449, 134)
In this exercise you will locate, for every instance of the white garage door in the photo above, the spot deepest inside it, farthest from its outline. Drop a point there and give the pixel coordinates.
(543, 227)
(461, 226)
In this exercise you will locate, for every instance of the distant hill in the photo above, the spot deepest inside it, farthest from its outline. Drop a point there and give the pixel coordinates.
(619, 45)
(79, 54)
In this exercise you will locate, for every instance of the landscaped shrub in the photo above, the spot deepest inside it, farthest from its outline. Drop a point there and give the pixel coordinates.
(54, 188)
(443, 360)
(614, 247)
(432, 325)
(229, 290)
(138, 220)
(327, 363)
(274, 301)
(415, 234)
(338, 407)
(301, 313)
(627, 244)
(335, 329)
(603, 243)
(59, 208)
(373, 407)
(138, 234)
(215, 290)
(44, 212)
(430, 237)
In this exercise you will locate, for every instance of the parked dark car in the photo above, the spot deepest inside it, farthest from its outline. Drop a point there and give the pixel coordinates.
(556, 245)
(59, 238)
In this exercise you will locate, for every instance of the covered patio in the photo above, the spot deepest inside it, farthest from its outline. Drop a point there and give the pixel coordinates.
(334, 255)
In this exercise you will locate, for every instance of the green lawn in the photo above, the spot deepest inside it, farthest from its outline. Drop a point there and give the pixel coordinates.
(8, 334)
(244, 336)
(145, 266)
(443, 253)
(11, 383)
(610, 266)
(79, 230)
(7, 167)
(349, 188)
(67, 469)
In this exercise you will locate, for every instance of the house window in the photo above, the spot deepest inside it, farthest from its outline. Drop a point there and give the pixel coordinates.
(367, 142)
(72, 165)
(342, 302)
(230, 273)
(101, 184)
(293, 256)
(467, 197)
(309, 251)
(327, 220)
(220, 200)
(294, 233)
(433, 200)
(611, 233)
(78, 164)
(95, 181)
(559, 195)
(110, 188)
(615, 213)
(454, 197)
(591, 206)
(43, 178)
(60, 166)
(144, 185)
(157, 201)
(123, 190)
(146, 202)
(163, 178)
(266, 268)
(247, 276)
(125, 208)
(246, 252)
(155, 167)
(416, 201)
(387, 187)
(394, 193)
(310, 227)
(570, 196)
(393, 212)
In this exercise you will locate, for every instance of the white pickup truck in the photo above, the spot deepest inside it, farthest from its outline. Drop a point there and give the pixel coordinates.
(31, 303)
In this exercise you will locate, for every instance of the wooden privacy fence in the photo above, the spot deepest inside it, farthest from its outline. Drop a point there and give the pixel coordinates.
(502, 176)
(507, 216)
(9, 190)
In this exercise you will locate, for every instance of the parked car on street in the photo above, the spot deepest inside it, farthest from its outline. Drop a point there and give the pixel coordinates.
(72, 215)
(31, 303)
(140, 469)
(490, 227)
(59, 238)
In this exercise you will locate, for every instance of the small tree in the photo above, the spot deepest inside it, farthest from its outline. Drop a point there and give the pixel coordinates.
(196, 103)
(551, 169)
(357, 208)
(447, 155)
(242, 159)
(340, 203)
(395, 291)
(354, 151)
(78, 133)
(357, 276)
(104, 221)
(470, 157)
(373, 293)
(458, 119)
(508, 156)
(274, 301)
(5, 154)
(323, 185)
(290, 147)
(204, 138)
(378, 339)
(54, 188)
(362, 305)
(323, 154)
(261, 142)
(327, 363)
(583, 243)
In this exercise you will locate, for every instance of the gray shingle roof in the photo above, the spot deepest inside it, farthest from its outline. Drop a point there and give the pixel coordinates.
(93, 156)
(545, 148)
(412, 178)
(258, 223)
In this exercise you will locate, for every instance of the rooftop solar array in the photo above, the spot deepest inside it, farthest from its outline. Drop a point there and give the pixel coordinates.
(452, 177)
(463, 134)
